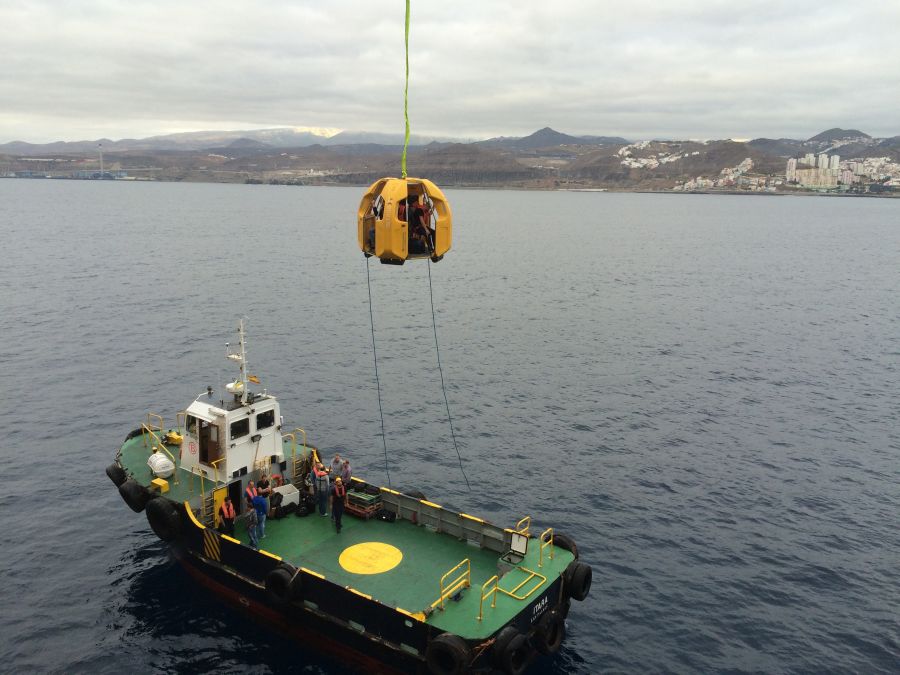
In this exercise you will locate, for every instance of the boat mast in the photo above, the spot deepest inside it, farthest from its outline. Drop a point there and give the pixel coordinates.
(244, 380)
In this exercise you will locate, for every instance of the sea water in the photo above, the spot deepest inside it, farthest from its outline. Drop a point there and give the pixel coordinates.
(701, 390)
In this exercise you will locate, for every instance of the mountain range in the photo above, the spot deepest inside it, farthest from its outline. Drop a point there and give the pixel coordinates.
(546, 158)
(287, 138)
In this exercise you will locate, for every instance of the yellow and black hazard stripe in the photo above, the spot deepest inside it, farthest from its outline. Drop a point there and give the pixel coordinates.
(211, 545)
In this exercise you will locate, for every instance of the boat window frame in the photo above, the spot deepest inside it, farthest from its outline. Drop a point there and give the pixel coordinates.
(231, 425)
(271, 419)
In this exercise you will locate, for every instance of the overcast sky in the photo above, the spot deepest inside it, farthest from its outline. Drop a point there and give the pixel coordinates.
(85, 69)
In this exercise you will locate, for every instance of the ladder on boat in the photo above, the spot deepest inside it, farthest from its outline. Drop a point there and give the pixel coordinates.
(208, 511)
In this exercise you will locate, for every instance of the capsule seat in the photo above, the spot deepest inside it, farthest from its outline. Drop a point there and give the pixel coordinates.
(402, 219)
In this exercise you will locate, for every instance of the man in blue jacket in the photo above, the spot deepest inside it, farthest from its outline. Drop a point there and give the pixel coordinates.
(261, 507)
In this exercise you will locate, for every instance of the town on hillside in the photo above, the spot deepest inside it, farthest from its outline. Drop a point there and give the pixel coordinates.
(837, 161)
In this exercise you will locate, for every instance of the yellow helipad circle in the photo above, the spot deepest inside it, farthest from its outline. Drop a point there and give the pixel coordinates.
(371, 557)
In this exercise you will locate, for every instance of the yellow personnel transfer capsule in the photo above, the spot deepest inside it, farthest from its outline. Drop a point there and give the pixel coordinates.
(402, 219)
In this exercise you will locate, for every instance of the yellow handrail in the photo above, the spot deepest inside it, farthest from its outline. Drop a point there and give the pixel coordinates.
(158, 417)
(524, 530)
(213, 464)
(531, 575)
(294, 448)
(493, 592)
(462, 581)
(548, 533)
(159, 443)
(198, 471)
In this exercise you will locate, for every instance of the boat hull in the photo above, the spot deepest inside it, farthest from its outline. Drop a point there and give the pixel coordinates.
(316, 631)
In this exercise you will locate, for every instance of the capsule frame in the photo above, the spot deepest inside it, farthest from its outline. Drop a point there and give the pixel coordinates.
(382, 226)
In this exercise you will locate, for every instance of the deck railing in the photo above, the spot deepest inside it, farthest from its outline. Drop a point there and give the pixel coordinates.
(493, 593)
(463, 580)
(159, 445)
(524, 525)
(546, 540)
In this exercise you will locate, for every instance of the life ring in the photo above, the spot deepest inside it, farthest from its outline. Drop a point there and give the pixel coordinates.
(116, 474)
(550, 632)
(511, 651)
(577, 578)
(448, 654)
(566, 542)
(134, 494)
(163, 518)
(283, 585)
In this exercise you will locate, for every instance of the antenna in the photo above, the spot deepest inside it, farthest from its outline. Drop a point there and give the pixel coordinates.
(243, 364)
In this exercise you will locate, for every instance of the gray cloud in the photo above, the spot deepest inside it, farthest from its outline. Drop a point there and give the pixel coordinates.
(639, 69)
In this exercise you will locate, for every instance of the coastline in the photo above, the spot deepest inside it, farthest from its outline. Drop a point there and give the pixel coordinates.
(521, 188)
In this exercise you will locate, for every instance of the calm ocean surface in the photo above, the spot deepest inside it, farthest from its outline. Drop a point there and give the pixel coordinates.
(701, 390)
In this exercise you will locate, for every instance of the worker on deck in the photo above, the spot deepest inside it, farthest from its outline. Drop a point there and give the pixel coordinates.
(321, 483)
(336, 465)
(251, 491)
(226, 517)
(252, 525)
(264, 490)
(338, 494)
(262, 508)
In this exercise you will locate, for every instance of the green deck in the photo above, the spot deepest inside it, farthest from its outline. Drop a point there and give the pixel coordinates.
(183, 485)
(413, 585)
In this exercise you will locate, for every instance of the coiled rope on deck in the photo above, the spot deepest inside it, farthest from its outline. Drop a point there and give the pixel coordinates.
(377, 381)
(441, 371)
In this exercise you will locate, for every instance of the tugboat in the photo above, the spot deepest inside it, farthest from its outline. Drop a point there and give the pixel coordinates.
(406, 586)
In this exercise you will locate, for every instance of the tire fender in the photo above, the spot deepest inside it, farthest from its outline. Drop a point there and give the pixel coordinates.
(283, 585)
(511, 652)
(116, 474)
(134, 494)
(578, 577)
(566, 542)
(550, 632)
(448, 654)
(163, 518)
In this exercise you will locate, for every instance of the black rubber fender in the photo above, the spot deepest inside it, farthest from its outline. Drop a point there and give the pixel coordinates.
(135, 495)
(566, 542)
(163, 518)
(283, 585)
(116, 474)
(135, 433)
(578, 579)
(511, 652)
(418, 494)
(448, 654)
(550, 632)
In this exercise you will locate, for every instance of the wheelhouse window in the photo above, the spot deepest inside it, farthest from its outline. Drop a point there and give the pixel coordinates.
(265, 420)
(192, 425)
(240, 428)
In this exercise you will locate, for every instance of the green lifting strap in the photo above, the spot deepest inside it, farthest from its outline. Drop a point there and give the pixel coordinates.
(406, 97)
